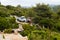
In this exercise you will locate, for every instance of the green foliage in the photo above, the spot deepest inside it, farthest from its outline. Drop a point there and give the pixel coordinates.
(3, 12)
(10, 7)
(42, 15)
(34, 34)
(8, 30)
(27, 27)
(7, 23)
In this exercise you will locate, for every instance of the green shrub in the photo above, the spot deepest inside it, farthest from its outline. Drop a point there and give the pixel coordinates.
(8, 30)
(35, 34)
(8, 22)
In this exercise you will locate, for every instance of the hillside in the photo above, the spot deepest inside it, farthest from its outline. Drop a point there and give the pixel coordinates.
(45, 21)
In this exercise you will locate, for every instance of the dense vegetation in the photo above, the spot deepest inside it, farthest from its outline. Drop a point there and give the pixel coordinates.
(37, 33)
(45, 20)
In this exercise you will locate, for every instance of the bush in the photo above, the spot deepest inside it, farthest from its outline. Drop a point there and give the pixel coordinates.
(36, 34)
(8, 30)
(6, 23)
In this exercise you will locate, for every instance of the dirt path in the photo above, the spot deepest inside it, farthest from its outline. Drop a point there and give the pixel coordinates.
(12, 37)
